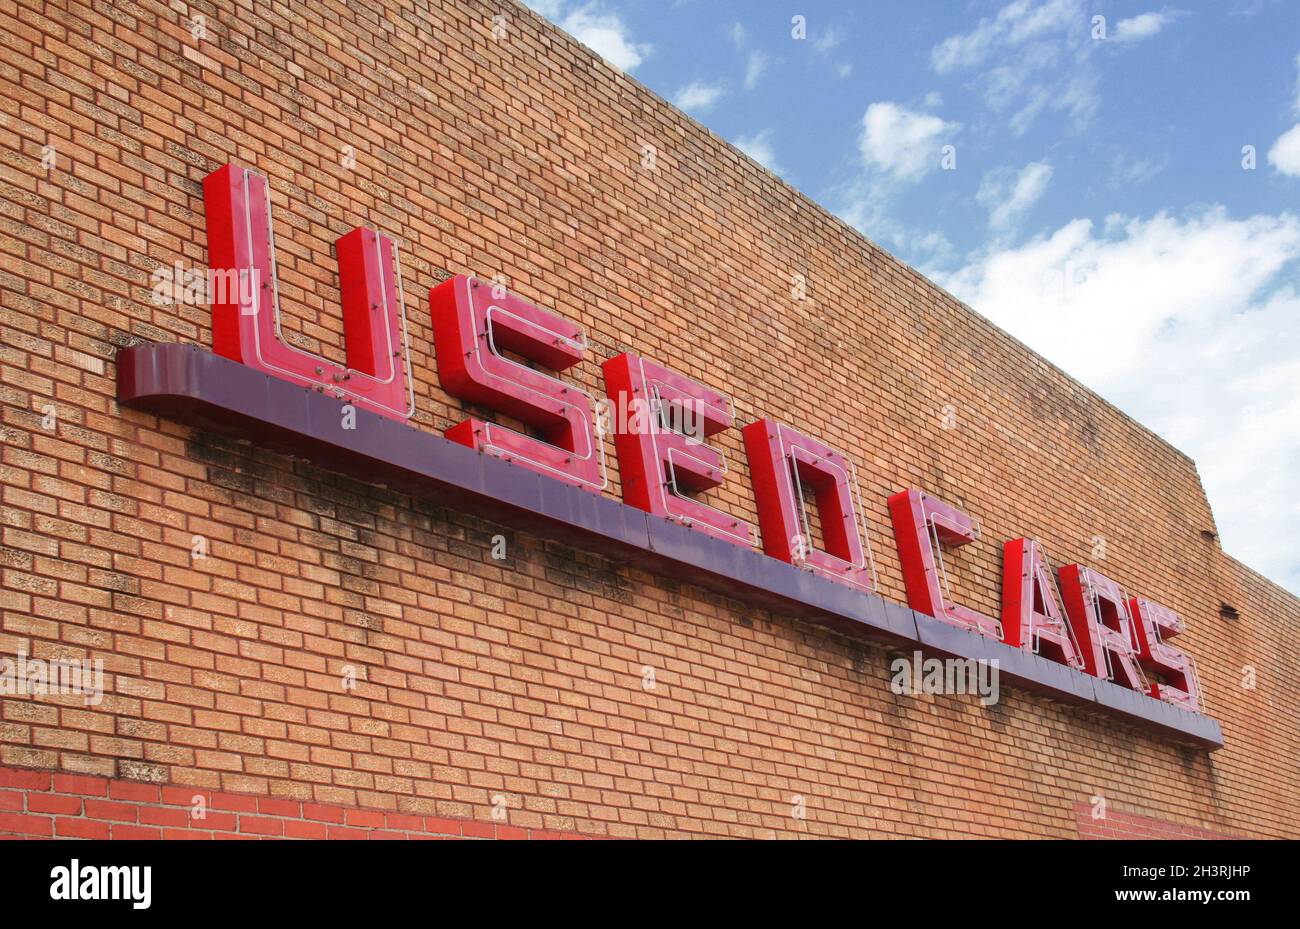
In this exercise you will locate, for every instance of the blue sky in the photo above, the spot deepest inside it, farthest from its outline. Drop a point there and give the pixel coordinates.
(1097, 200)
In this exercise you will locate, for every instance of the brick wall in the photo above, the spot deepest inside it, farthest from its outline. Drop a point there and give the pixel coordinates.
(519, 683)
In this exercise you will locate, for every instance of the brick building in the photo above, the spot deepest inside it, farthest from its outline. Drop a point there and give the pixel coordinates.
(292, 651)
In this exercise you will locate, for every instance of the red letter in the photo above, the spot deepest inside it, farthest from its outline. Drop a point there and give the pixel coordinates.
(1098, 612)
(246, 305)
(1031, 615)
(923, 523)
(473, 323)
(657, 459)
(1155, 623)
(782, 462)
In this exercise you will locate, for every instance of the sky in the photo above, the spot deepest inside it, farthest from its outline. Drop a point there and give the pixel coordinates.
(1117, 184)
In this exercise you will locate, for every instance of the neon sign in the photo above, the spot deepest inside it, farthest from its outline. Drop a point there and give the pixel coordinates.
(500, 352)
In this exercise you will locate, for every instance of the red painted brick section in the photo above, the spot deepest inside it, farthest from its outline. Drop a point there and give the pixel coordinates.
(152, 812)
(1120, 825)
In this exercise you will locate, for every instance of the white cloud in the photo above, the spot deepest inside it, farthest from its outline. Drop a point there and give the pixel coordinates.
(898, 148)
(698, 97)
(1285, 153)
(1128, 171)
(844, 70)
(1190, 326)
(606, 35)
(1007, 197)
(1143, 26)
(1039, 54)
(759, 147)
(828, 40)
(933, 245)
(739, 35)
(1015, 24)
(901, 143)
(1296, 105)
(754, 68)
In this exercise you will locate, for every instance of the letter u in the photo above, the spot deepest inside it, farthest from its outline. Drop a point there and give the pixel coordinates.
(377, 374)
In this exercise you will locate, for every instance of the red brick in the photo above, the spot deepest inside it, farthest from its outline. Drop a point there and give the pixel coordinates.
(164, 816)
(105, 809)
(224, 822)
(184, 796)
(26, 825)
(126, 790)
(342, 832)
(80, 784)
(174, 834)
(54, 803)
(440, 826)
(300, 829)
(123, 831)
(261, 825)
(274, 807)
(368, 819)
(24, 779)
(234, 802)
(323, 813)
(80, 828)
(477, 830)
(403, 821)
